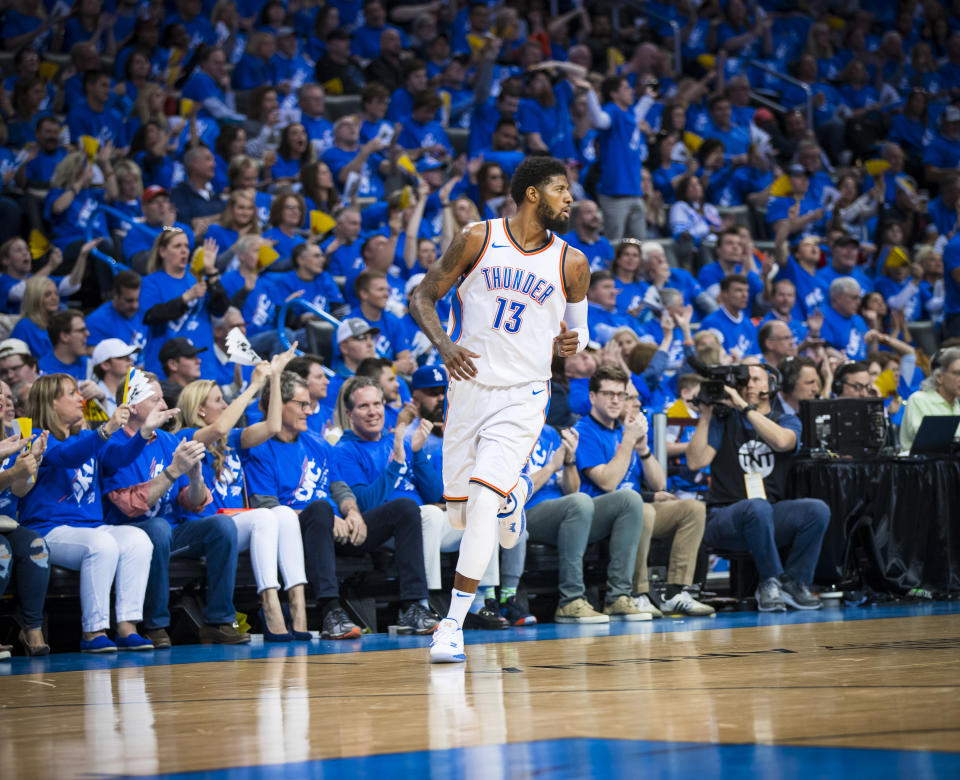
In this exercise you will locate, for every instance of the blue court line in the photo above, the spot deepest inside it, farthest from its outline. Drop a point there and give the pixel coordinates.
(189, 654)
(611, 759)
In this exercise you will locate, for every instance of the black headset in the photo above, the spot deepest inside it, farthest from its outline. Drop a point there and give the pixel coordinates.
(789, 374)
(842, 370)
(776, 380)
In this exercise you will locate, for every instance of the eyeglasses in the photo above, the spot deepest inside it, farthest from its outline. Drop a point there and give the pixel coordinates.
(858, 386)
(612, 395)
(305, 406)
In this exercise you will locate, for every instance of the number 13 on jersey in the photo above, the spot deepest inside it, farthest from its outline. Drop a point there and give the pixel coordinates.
(513, 322)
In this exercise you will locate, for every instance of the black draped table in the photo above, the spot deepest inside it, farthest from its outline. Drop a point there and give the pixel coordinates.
(905, 512)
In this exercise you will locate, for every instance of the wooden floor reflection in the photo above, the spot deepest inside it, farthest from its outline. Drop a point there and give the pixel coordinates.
(873, 683)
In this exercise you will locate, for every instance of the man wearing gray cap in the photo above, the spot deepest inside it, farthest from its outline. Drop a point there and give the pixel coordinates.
(355, 338)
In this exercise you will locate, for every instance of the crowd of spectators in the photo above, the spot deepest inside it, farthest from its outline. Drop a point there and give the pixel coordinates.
(755, 182)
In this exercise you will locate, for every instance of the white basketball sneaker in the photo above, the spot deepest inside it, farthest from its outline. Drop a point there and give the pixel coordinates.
(447, 644)
(513, 520)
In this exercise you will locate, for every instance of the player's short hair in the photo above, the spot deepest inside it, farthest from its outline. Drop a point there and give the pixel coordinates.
(534, 172)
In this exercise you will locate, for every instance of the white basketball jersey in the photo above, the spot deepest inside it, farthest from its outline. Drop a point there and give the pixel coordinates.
(508, 308)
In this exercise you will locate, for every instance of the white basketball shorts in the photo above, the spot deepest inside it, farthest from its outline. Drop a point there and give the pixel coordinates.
(489, 432)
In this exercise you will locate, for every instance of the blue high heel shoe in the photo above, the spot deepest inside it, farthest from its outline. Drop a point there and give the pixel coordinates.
(299, 636)
(268, 636)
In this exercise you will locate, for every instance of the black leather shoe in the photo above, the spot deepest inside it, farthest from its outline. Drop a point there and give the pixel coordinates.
(488, 618)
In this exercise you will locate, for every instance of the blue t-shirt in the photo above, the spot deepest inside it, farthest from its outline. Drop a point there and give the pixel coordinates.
(227, 490)
(51, 364)
(745, 181)
(321, 291)
(739, 334)
(375, 477)
(597, 447)
(602, 324)
(371, 184)
(810, 291)
(622, 148)
(260, 308)
(682, 280)
(914, 307)
(844, 333)
(9, 501)
(630, 295)
(943, 217)
(284, 244)
(779, 208)
(545, 448)
(194, 324)
(416, 135)
(712, 274)
(106, 125)
(828, 274)
(251, 71)
(70, 225)
(295, 473)
(225, 237)
(201, 86)
(68, 490)
(599, 253)
(155, 456)
(942, 152)
(105, 322)
(36, 338)
(41, 167)
(735, 140)
(553, 123)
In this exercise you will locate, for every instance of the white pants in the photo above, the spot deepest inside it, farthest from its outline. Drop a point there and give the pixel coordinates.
(106, 554)
(273, 537)
(440, 537)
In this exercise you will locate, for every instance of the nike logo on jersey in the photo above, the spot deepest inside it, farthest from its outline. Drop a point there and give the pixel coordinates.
(537, 392)
(499, 246)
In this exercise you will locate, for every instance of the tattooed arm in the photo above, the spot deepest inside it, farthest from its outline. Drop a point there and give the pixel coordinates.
(574, 334)
(461, 253)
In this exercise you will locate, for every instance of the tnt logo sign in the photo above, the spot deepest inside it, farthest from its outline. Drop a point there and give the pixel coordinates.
(756, 456)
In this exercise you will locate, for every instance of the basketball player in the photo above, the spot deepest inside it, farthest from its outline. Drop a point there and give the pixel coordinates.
(520, 297)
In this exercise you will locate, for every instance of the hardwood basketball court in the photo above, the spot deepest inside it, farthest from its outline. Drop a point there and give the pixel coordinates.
(871, 692)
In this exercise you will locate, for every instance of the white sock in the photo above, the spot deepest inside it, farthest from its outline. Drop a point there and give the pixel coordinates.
(460, 602)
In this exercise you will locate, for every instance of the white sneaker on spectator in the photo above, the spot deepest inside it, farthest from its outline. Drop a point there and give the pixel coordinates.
(643, 604)
(685, 604)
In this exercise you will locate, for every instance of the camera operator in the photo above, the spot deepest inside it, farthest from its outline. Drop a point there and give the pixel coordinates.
(853, 380)
(749, 445)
